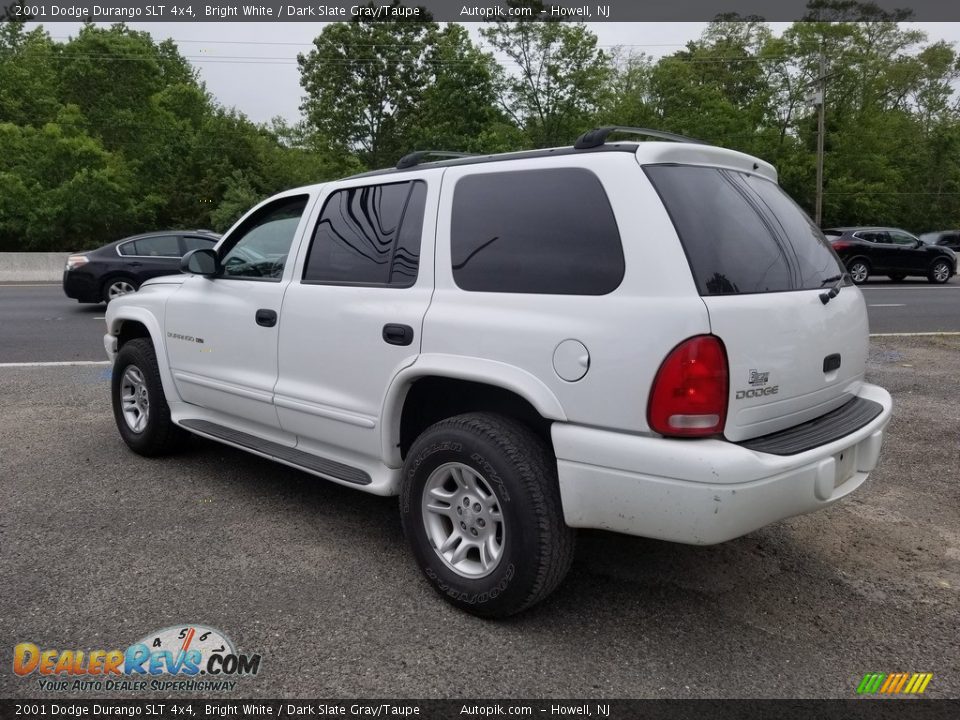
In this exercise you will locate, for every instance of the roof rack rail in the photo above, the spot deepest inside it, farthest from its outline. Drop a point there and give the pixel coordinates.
(598, 136)
(418, 157)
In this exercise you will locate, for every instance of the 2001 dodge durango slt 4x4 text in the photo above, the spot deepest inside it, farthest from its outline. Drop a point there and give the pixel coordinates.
(648, 337)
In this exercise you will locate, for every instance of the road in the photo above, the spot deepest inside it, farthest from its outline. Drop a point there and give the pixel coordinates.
(39, 324)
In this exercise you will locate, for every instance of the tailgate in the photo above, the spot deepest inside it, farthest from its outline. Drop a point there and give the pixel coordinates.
(791, 357)
(795, 331)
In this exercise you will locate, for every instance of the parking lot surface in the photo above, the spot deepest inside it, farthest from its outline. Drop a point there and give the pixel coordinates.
(99, 547)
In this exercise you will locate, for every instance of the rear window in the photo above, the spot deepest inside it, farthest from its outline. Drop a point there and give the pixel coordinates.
(742, 233)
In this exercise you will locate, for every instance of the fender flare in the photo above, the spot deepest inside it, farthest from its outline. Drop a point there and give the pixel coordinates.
(150, 322)
(487, 372)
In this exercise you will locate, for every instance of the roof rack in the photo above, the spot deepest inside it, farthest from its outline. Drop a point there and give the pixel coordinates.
(418, 157)
(598, 136)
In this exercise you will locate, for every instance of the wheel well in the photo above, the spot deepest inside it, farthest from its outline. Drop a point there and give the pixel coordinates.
(131, 330)
(862, 259)
(431, 399)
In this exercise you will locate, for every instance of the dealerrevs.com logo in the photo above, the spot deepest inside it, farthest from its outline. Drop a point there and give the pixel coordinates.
(186, 657)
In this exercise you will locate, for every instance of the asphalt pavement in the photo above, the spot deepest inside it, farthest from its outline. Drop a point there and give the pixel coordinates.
(39, 324)
(99, 547)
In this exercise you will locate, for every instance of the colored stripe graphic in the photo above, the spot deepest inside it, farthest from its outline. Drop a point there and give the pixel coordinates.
(894, 683)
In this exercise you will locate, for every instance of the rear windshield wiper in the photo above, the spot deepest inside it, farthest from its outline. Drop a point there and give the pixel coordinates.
(830, 294)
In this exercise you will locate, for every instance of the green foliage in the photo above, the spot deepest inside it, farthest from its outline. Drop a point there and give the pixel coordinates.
(111, 133)
(561, 81)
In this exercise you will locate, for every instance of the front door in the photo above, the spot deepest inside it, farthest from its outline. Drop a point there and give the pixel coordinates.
(221, 333)
(353, 316)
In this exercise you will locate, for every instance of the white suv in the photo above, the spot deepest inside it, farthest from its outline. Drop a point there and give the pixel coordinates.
(645, 337)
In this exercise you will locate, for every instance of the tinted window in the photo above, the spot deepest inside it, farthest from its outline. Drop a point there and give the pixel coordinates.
(535, 231)
(129, 248)
(901, 238)
(369, 236)
(195, 243)
(812, 254)
(741, 233)
(258, 248)
(164, 246)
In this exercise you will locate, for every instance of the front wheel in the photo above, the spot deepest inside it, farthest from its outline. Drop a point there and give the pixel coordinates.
(480, 507)
(139, 406)
(859, 271)
(939, 272)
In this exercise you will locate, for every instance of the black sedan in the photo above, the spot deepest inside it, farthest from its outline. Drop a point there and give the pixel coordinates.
(122, 266)
(892, 252)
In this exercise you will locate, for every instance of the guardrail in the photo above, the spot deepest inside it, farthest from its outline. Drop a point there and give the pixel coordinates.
(31, 266)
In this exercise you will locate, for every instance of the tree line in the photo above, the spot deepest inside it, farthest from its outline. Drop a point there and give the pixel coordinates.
(110, 132)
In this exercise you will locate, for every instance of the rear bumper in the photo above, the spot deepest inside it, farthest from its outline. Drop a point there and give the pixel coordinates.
(81, 286)
(705, 491)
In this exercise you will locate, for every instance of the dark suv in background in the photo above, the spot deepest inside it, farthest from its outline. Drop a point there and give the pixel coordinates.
(122, 266)
(892, 252)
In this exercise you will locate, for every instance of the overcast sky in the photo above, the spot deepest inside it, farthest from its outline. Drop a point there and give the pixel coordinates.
(253, 66)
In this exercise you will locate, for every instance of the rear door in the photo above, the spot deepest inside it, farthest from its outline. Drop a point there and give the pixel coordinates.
(761, 267)
(151, 257)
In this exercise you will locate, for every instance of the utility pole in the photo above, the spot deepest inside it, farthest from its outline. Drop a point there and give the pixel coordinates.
(821, 96)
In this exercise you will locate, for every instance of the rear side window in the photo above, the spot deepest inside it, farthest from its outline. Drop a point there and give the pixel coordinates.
(163, 246)
(195, 243)
(369, 236)
(535, 231)
(742, 233)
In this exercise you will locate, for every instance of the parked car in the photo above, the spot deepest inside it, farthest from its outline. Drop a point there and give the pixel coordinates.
(121, 267)
(943, 238)
(650, 338)
(892, 252)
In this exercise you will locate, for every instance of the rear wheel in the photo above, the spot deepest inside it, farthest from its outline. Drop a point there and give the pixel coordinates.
(139, 406)
(480, 507)
(939, 272)
(116, 287)
(897, 277)
(859, 271)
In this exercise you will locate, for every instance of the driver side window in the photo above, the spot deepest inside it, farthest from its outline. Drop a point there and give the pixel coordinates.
(258, 249)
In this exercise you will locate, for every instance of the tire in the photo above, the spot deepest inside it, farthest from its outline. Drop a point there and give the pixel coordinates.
(897, 277)
(940, 271)
(139, 406)
(499, 462)
(859, 271)
(117, 286)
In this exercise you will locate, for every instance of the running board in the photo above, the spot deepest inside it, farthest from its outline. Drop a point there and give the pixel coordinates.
(292, 456)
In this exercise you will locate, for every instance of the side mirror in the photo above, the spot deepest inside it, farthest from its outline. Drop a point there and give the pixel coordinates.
(203, 261)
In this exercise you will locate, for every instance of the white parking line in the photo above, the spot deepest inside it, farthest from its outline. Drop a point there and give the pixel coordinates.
(68, 363)
(909, 287)
(921, 334)
(888, 305)
(19, 285)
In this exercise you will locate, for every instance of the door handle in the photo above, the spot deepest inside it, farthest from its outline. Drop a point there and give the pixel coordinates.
(266, 318)
(398, 334)
(134, 264)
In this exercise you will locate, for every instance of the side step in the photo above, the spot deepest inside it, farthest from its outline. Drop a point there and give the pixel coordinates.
(330, 468)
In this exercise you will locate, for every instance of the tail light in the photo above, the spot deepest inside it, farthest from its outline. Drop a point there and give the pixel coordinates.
(690, 392)
(75, 261)
(840, 245)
